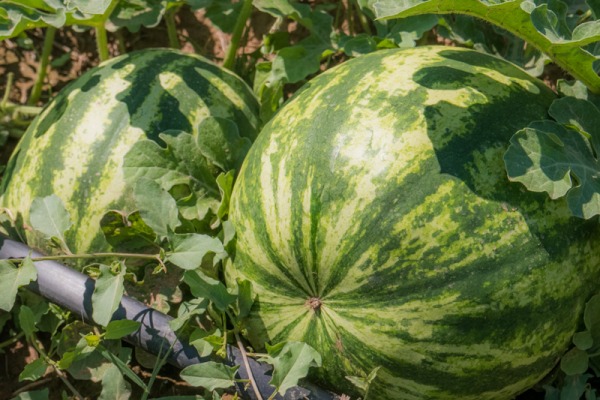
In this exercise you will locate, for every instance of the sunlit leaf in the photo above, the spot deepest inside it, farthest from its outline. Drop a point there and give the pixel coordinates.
(210, 375)
(49, 216)
(120, 328)
(107, 295)
(133, 14)
(34, 370)
(27, 321)
(189, 249)
(12, 278)
(17, 16)
(220, 142)
(209, 288)
(291, 363)
(542, 26)
(157, 207)
(114, 385)
(548, 156)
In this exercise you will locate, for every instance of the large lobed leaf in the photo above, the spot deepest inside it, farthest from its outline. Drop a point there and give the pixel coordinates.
(544, 26)
(560, 157)
(17, 16)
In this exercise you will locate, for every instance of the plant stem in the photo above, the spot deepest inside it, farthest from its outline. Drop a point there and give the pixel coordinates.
(34, 342)
(90, 256)
(362, 18)
(247, 366)
(238, 30)
(12, 340)
(43, 67)
(120, 41)
(25, 110)
(172, 28)
(102, 42)
(9, 82)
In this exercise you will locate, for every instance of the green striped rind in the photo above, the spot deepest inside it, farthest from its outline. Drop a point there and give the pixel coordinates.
(75, 147)
(380, 189)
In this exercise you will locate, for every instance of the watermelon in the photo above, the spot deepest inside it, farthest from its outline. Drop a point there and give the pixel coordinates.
(376, 222)
(75, 147)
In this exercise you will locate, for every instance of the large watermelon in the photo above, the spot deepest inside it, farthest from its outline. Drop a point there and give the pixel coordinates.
(75, 147)
(376, 222)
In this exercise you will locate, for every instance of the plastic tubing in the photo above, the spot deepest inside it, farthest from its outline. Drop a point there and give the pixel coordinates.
(73, 290)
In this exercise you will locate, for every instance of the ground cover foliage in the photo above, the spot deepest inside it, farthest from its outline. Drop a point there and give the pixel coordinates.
(275, 46)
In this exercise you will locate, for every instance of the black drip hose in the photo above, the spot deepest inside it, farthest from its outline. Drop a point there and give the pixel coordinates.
(73, 290)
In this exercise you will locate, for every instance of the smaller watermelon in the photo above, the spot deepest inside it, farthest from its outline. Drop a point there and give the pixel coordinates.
(76, 146)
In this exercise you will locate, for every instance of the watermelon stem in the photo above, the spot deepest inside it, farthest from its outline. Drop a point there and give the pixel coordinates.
(102, 42)
(238, 30)
(247, 365)
(100, 29)
(314, 303)
(43, 67)
(172, 28)
(92, 256)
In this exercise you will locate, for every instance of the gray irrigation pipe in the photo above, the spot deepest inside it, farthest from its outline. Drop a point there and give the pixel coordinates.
(73, 290)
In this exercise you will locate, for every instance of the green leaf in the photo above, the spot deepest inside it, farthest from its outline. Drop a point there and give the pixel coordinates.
(157, 207)
(123, 368)
(546, 156)
(27, 321)
(17, 16)
(107, 294)
(245, 298)
(406, 31)
(49, 216)
(187, 310)
(225, 182)
(206, 342)
(575, 362)
(574, 386)
(81, 350)
(583, 340)
(209, 288)
(580, 114)
(181, 164)
(189, 249)
(12, 278)
(127, 232)
(114, 386)
(269, 93)
(228, 233)
(33, 371)
(551, 23)
(210, 375)
(359, 45)
(542, 26)
(277, 8)
(591, 317)
(363, 383)
(291, 363)
(223, 14)
(133, 14)
(120, 328)
(33, 395)
(293, 64)
(220, 142)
